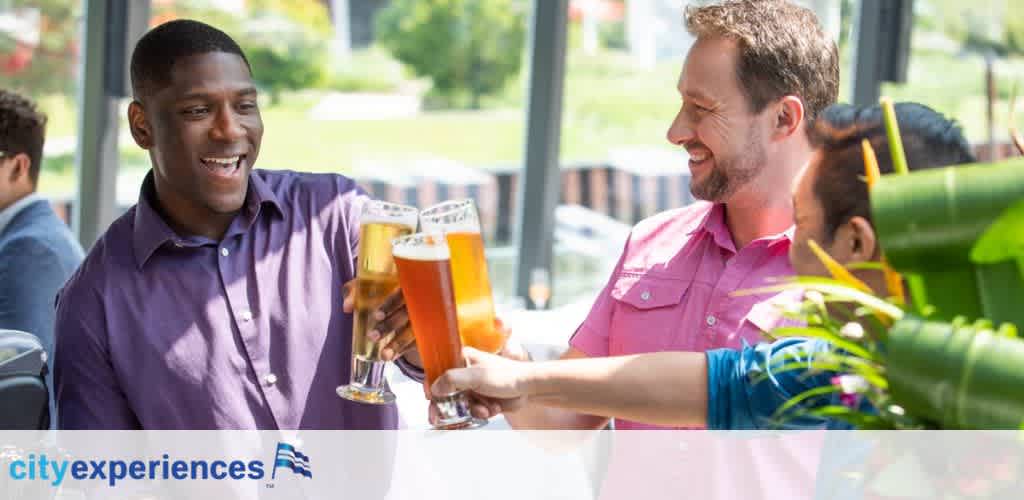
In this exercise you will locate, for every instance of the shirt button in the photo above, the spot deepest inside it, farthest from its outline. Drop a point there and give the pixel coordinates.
(645, 296)
(246, 315)
(270, 379)
(224, 252)
(711, 320)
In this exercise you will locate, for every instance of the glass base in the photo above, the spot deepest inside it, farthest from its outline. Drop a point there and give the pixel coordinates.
(454, 413)
(367, 384)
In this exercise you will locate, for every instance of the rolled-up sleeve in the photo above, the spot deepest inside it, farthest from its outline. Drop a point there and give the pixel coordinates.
(744, 391)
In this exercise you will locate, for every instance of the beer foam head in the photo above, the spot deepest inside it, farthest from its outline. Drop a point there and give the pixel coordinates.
(389, 213)
(421, 246)
(457, 216)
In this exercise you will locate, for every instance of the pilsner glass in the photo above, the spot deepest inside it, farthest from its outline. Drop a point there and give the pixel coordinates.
(376, 278)
(460, 223)
(426, 279)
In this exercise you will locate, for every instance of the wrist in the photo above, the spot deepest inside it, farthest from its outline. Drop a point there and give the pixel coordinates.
(527, 379)
(413, 358)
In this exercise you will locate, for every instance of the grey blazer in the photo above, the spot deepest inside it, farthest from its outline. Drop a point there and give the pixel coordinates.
(37, 255)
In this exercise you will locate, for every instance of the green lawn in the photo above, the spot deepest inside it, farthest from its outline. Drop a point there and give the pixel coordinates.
(609, 103)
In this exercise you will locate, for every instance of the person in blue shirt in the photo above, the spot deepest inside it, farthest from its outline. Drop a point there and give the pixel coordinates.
(725, 388)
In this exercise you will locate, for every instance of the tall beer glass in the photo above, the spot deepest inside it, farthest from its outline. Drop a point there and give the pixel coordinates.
(426, 279)
(460, 223)
(376, 278)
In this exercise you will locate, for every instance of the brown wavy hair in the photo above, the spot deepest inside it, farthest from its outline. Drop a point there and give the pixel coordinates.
(22, 130)
(782, 51)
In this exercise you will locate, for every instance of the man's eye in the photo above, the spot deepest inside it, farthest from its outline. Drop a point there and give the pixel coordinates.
(694, 107)
(247, 106)
(193, 112)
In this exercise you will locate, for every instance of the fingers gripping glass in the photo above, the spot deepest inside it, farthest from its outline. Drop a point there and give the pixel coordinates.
(376, 279)
(424, 272)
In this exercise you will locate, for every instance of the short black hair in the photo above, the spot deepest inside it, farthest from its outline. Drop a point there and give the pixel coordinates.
(22, 130)
(929, 140)
(159, 49)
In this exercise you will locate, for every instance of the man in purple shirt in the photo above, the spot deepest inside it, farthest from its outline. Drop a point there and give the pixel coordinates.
(215, 302)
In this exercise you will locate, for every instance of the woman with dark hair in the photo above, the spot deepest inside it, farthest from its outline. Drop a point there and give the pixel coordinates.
(716, 389)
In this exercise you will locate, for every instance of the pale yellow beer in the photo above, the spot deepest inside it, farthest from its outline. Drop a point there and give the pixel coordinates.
(376, 279)
(460, 223)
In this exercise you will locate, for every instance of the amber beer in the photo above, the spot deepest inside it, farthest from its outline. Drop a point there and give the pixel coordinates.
(460, 222)
(376, 279)
(424, 273)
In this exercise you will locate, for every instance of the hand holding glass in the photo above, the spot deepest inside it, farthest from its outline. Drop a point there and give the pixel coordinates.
(424, 273)
(376, 279)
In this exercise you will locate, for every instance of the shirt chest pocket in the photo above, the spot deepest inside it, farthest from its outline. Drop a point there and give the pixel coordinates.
(647, 313)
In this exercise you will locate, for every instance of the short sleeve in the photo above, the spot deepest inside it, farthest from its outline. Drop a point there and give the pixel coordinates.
(591, 337)
(744, 391)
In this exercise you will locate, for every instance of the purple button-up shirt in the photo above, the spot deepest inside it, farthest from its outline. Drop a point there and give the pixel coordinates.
(160, 331)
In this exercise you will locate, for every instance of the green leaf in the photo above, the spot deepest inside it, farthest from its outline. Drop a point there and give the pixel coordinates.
(809, 368)
(826, 335)
(858, 419)
(804, 396)
(892, 132)
(1008, 330)
(830, 287)
(1003, 239)
(865, 266)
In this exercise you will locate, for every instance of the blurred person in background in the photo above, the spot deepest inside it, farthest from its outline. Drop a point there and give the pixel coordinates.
(37, 250)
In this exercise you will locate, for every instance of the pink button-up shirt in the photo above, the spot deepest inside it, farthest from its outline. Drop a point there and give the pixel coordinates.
(671, 290)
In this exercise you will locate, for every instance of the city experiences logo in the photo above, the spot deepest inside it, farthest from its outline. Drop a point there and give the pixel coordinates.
(41, 468)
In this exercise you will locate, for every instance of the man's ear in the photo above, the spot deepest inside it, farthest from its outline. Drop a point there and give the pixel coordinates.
(863, 241)
(139, 125)
(20, 167)
(789, 117)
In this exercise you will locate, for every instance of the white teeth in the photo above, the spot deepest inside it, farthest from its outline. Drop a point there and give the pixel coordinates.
(699, 156)
(223, 161)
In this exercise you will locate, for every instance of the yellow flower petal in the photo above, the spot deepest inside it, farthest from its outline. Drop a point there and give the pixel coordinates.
(838, 272)
(871, 171)
(893, 282)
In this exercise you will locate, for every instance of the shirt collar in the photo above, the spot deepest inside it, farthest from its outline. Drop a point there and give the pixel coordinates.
(714, 225)
(7, 215)
(151, 231)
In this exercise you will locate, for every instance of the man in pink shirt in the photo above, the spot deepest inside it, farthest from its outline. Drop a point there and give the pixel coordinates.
(758, 74)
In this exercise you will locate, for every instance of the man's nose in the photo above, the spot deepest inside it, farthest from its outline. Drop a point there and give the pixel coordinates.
(681, 130)
(227, 127)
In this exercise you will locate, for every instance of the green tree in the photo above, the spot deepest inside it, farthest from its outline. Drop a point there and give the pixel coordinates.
(52, 66)
(284, 56)
(466, 47)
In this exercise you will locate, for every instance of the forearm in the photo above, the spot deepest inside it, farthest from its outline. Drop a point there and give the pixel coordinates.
(667, 389)
(538, 416)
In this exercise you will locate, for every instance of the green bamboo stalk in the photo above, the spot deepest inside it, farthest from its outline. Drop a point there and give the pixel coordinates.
(929, 221)
(892, 132)
(959, 377)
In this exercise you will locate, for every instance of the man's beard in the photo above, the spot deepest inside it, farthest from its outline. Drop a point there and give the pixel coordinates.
(728, 176)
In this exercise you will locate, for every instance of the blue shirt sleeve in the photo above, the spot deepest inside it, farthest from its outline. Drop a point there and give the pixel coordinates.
(744, 391)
